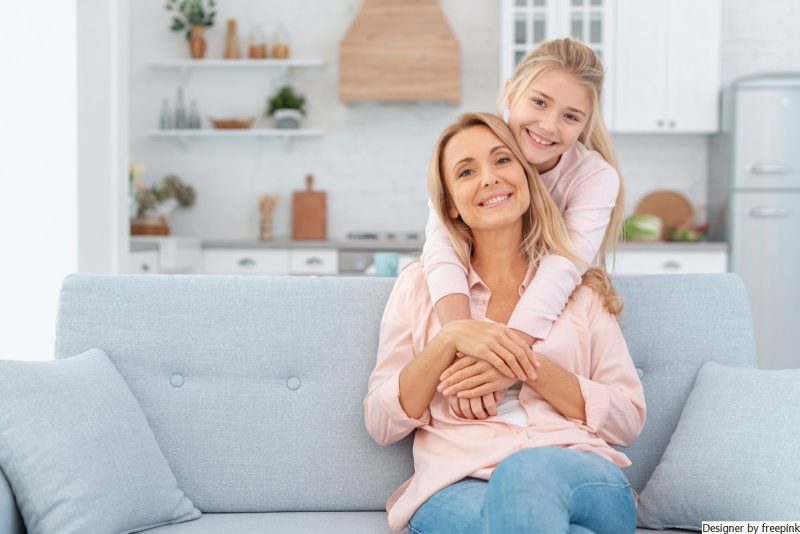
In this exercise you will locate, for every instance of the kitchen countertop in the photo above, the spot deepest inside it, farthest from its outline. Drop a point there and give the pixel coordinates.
(400, 244)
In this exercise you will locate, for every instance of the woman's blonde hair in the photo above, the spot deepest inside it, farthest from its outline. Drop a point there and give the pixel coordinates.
(577, 59)
(543, 229)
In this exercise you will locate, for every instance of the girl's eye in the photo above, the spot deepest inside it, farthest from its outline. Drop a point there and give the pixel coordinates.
(538, 101)
(464, 173)
(573, 118)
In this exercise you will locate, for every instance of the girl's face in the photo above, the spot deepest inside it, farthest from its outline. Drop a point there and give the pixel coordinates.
(486, 182)
(549, 117)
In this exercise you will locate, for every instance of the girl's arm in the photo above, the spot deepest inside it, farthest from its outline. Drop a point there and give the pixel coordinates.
(587, 217)
(444, 272)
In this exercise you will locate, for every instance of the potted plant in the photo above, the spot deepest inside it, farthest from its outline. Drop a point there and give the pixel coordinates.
(286, 107)
(193, 16)
(155, 204)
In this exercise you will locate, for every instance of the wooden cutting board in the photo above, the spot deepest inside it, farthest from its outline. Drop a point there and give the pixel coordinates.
(309, 213)
(671, 207)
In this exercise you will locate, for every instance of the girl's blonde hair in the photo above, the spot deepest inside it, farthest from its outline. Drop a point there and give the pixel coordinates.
(577, 59)
(543, 229)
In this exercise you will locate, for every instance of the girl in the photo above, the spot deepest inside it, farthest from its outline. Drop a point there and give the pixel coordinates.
(551, 105)
(548, 466)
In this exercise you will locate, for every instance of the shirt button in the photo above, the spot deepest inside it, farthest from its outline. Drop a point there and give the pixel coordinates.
(525, 402)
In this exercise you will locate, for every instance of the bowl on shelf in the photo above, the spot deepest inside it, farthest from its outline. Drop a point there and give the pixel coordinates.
(232, 123)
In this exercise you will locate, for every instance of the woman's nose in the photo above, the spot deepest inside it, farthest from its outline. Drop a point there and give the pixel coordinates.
(489, 179)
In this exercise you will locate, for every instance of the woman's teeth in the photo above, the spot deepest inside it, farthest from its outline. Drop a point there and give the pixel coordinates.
(495, 200)
(540, 140)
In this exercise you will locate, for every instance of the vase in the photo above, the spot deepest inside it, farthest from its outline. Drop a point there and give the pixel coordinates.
(287, 118)
(197, 43)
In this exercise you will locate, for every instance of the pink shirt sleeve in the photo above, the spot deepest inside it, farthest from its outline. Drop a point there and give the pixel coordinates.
(587, 216)
(614, 396)
(385, 419)
(444, 272)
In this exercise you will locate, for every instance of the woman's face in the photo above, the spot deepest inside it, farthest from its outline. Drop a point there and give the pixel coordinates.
(486, 182)
(547, 120)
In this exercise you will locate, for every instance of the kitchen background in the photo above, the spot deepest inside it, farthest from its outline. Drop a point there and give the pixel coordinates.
(369, 158)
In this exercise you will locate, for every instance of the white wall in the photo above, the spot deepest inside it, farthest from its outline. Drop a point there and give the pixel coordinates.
(38, 174)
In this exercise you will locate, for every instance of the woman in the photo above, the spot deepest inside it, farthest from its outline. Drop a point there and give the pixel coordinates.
(542, 461)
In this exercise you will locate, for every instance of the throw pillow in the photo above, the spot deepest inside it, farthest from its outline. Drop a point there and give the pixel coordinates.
(78, 452)
(734, 453)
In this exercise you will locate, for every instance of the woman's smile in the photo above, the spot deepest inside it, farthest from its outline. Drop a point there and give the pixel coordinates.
(496, 200)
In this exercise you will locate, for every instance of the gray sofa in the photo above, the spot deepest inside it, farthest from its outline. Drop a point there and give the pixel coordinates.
(254, 386)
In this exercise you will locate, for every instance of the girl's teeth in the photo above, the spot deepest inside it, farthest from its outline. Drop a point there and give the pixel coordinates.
(540, 140)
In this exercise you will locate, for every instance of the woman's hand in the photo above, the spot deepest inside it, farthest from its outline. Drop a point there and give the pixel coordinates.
(471, 378)
(489, 405)
(494, 343)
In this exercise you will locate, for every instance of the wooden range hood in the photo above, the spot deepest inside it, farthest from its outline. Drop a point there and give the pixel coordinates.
(399, 51)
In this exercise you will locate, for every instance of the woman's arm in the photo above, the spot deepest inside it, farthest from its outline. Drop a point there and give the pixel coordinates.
(444, 272)
(418, 379)
(587, 216)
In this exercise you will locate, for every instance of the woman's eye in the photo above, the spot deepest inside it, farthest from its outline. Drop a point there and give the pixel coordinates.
(464, 173)
(504, 160)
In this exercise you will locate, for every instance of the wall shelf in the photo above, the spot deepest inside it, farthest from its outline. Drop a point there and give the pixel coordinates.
(256, 133)
(185, 66)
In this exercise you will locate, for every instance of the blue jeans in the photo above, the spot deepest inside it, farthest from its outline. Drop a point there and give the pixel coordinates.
(548, 490)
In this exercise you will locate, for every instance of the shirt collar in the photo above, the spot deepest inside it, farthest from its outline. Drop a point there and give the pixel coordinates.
(473, 278)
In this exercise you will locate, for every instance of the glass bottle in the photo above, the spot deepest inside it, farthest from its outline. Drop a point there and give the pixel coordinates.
(257, 48)
(280, 48)
(180, 111)
(165, 119)
(194, 116)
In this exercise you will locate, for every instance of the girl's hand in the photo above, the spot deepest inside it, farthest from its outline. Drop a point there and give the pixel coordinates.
(470, 378)
(494, 343)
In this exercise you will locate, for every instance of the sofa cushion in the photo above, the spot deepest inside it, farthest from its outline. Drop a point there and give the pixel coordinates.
(78, 452)
(734, 454)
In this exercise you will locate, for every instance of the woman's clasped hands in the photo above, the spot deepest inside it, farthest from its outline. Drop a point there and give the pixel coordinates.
(490, 359)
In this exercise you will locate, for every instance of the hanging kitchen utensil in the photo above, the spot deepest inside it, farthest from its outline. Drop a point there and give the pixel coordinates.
(309, 213)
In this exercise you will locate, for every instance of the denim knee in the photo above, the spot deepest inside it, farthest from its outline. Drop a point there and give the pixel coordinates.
(542, 467)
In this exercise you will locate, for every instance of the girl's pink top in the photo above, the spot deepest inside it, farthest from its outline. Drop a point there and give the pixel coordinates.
(584, 187)
(585, 340)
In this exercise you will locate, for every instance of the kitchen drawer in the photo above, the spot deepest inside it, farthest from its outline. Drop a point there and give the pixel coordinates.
(143, 262)
(666, 262)
(313, 261)
(246, 261)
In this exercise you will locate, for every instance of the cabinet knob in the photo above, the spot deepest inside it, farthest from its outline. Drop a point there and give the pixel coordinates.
(246, 262)
(314, 261)
(672, 124)
(660, 123)
(145, 268)
(671, 265)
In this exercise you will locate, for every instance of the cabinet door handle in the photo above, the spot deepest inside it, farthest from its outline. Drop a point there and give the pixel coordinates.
(145, 268)
(770, 212)
(246, 262)
(671, 265)
(770, 168)
(314, 260)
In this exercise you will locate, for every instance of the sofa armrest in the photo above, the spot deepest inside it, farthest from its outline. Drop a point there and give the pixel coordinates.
(10, 520)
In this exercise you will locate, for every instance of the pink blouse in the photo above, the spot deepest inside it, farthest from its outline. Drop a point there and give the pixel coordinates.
(585, 340)
(584, 187)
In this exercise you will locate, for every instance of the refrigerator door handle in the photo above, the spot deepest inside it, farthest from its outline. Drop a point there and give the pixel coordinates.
(770, 168)
(770, 212)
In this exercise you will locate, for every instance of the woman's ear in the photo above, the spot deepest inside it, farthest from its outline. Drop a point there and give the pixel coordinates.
(452, 212)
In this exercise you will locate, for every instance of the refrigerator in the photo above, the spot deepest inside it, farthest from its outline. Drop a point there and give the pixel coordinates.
(754, 205)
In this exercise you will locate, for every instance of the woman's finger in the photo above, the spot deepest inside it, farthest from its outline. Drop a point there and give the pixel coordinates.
(461, 363)
(479, 391)
(490, 404)
(454, 404)
(466, 383)
(458, 376)
(477, 408)
(465, 410)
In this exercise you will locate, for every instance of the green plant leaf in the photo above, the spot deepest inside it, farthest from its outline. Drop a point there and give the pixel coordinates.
(177, 24)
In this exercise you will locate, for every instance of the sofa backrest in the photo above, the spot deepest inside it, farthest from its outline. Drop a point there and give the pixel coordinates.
(254, 385)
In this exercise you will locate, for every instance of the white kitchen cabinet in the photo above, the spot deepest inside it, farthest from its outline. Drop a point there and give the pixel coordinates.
(669, 262)
(314, 261)
(667, 61)
(143, 262)
(525, 23)
(246, 261)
